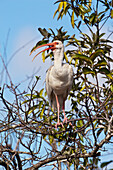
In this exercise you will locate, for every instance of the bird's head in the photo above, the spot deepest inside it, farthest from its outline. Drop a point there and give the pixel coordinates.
(55, 46)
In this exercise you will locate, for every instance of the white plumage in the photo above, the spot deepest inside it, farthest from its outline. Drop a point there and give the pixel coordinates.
(59, 79)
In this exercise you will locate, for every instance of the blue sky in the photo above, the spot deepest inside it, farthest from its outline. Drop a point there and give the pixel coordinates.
(19, 22)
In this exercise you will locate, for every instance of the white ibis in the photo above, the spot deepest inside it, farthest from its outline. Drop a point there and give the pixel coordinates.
(59, 79)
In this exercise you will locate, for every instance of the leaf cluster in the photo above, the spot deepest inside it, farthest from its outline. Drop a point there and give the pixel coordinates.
(82, 11)
(50, 35)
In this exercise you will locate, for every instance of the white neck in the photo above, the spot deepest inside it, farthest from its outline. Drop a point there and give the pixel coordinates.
(58, 57)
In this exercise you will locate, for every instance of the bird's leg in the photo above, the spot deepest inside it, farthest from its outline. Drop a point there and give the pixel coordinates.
(63, 108)
(58, 108)
(65, 118)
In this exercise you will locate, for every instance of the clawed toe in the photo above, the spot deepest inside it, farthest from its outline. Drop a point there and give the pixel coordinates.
(58, 124)
(65, 120)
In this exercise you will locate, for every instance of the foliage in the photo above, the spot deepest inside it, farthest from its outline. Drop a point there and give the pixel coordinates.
(31, 118)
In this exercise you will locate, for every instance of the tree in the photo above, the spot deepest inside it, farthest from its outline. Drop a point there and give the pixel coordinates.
(30, 121)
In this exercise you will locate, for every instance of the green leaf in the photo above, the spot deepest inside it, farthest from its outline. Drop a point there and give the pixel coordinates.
(58, 143)
(87, 37)
(44, 137)
(43, 56)
(76, 62)
(66, 58)
(92, 18)
(81, 137)
(104, 70)
(41, 92)
(38, 77)
(79, 24)
(60, 14)
(101, 35)
(42, 112)
(52, 32)
(40, 104)
(105, 41)
(82, 88)
(25, 101)
(55, 13)
(101, 63)
(90, 1)
(72, 20)
(80, 123)
(112, 13)
(38, 44)
(111, 87)
(64, 5)
(41, 42)
(87, 70)
(60, 6)
(96, 53)
(93, 98)
(32, 109)
(44, 32)
(110, 76)
(82, 57)
(105, 164)
(51, 138)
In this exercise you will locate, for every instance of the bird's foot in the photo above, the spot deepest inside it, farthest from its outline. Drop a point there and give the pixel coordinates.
(58, 124)
(65, 120)
(71, 124)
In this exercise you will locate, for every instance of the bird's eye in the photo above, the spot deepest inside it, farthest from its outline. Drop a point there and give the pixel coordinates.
(57, 43)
